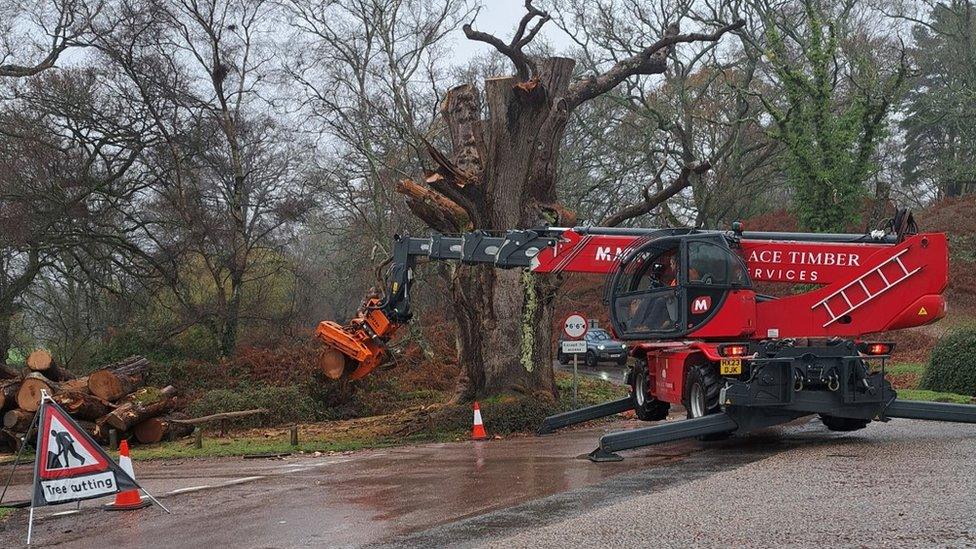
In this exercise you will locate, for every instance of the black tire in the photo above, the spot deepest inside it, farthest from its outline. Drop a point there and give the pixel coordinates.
(563, 359)
(647, 407)
(843, 424)
(590, 359)
(703, 384)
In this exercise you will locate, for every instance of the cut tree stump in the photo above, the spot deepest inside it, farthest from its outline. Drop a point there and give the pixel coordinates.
(82, 405)
(10, 439)
(41, 361)
(117, 380)
(17, 420)
(8, 394)
(161, 428)
(145, 403)
(29, 394)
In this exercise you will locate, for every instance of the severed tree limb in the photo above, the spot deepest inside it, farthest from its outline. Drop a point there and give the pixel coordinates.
(652, 201)
(436, 210)
(650, 60)
(524, 65)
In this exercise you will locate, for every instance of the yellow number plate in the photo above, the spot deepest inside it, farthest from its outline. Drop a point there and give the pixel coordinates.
(730, 366)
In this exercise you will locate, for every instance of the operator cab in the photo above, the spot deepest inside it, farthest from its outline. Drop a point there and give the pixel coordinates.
(672, 285)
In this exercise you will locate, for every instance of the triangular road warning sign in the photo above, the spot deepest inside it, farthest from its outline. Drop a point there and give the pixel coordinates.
(69, 465)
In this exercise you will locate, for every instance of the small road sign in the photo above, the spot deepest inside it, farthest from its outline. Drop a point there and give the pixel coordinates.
(574, 347)
(575, 326)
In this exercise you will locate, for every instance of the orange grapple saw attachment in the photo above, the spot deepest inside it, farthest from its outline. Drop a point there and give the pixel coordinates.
(359, 346)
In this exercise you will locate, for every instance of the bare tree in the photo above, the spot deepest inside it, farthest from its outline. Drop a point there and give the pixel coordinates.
(502, 175)
(34, 34)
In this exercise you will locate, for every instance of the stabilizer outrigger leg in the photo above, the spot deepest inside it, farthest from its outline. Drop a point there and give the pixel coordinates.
(565, 419)
(931, 411)
(635, 438)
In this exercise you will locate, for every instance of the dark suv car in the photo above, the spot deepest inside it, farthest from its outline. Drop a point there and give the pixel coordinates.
(600, 347)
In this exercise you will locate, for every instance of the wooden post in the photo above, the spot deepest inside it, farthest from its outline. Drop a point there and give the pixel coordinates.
(113, 439)
(294, 436)
(197, 438)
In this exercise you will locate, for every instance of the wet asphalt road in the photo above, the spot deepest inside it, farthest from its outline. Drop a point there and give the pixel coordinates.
(899, 484)
(607, 371)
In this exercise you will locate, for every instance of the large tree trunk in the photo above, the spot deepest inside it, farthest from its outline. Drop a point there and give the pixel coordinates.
(8, 393)
(5, 317)
(29, 394)
(503, 174)
(145, 403)
(117, 380)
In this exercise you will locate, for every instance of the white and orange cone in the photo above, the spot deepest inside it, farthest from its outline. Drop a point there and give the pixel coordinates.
(478, 431)
(129, 499)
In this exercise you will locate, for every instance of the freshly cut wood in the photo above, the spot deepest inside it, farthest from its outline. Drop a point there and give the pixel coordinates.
(138, 407)
(222, 416)
(29, 394)
(117, 380)
(77, 385)
(161, 428)
(8, 393)
(41, 361)
(82, 405)
(17, 420)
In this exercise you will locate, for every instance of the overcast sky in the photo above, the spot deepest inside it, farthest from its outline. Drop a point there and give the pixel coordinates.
(501, 18)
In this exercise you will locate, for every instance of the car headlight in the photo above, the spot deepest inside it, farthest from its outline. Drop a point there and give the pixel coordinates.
(601, 347)
(623, 345)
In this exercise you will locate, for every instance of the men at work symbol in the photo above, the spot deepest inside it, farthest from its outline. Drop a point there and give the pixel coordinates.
(66, 449)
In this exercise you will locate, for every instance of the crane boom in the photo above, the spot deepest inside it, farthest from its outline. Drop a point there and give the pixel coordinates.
(862, 283)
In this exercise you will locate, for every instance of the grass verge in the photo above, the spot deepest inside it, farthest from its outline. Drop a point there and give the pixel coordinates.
(905, 376)
(935, 396)
(5, 512)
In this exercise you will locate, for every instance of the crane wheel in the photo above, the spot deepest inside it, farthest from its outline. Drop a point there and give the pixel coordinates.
(646, 407)
(843, 424)
(702, 388)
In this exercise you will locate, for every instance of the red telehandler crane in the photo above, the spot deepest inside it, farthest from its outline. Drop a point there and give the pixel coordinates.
(736, 359)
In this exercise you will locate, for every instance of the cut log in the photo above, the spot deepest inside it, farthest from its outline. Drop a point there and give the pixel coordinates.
(161, 428)
(8, 394)
(117, 380)
(145, 403)
(82, 405)
(29, 394)
(77, 385)
(17, 420)
(41, 361)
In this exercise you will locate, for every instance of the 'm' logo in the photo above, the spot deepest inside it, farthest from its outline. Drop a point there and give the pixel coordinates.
(701, 304)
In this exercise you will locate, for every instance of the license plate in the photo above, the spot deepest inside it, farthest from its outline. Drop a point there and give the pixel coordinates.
(730, 366)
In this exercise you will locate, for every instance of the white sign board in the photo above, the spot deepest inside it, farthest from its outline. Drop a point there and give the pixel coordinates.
(574, 347)
(574, 326)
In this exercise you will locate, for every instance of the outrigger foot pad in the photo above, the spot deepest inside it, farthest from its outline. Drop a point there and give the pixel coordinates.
(565, 419)
(602, 456)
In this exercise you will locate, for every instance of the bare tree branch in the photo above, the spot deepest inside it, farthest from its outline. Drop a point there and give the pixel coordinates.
(524, 65)
(650, 60)
(652, 201)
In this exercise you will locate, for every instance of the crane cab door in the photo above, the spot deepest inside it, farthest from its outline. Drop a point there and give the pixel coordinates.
(672, 286)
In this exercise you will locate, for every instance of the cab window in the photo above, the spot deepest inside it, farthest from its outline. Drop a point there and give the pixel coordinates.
(709, 264)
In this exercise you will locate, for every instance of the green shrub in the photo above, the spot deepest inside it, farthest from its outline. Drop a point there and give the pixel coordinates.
(952, 368)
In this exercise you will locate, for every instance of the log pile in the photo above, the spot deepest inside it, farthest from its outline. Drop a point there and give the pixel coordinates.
(114, 397)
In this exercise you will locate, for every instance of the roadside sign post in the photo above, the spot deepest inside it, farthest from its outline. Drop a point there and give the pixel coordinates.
(574, 328)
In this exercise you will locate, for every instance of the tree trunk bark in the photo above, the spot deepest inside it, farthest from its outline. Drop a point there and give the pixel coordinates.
(8, 393)
(144, 404)
(5, 318)
(117, 380)
(82, 405)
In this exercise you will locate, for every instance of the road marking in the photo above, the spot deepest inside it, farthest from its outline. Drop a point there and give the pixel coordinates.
(189, 489)
(240, 481)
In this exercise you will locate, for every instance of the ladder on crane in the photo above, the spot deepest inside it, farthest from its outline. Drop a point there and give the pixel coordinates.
(854, 303)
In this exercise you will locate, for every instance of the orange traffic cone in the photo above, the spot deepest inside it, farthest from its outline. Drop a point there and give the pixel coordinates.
(478, 431)
(129, 499)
